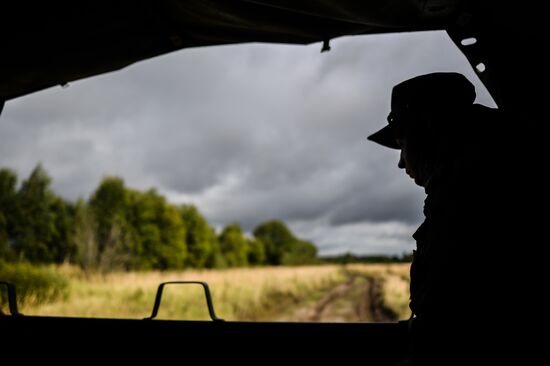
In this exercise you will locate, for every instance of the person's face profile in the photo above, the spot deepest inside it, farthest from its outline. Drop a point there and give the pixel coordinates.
(410, 159)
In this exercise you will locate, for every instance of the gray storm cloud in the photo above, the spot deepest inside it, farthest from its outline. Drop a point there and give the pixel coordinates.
(246, 132)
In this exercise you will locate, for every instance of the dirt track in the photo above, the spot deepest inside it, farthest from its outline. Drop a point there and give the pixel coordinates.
(360, 298)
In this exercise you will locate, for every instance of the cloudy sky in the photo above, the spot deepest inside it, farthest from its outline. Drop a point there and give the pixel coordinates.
(247, 133)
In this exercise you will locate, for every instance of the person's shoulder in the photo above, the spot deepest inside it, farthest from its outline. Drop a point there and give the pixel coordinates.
(487, 124)
(488, 114)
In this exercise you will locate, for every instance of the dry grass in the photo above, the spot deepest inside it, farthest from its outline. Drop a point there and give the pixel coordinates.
(238, 294)
(251, 294)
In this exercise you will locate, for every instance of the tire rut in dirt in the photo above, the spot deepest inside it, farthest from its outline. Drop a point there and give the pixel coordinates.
(365, 295)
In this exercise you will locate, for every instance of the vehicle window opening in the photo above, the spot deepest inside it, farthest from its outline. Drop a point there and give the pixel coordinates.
(328, 105)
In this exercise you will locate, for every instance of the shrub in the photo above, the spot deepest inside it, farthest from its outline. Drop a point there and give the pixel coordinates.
(34, 284)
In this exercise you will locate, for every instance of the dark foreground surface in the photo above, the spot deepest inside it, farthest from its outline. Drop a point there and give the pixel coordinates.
(101, 340)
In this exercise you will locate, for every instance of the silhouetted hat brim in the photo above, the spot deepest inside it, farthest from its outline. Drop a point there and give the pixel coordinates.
(436, 93)
(385, 137)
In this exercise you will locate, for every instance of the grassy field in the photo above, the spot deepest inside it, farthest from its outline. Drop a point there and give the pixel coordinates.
(315, 293)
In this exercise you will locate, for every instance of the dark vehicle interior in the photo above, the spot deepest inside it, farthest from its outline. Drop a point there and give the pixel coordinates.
(53, 43)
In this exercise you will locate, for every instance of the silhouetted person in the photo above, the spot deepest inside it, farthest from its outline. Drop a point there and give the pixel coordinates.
(459, 277)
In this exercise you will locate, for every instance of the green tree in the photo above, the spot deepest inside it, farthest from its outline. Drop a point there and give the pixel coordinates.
(142, 218)
(174, 247)
(60, 244)
(36, 220)
(8, 211)
(160, 231)
(256, 252)
(234, 246)
(282, 247)
(203, 249)
(109, 205)
(84, 237)
(116, 254)
(301, 252)
(277, 239)
(35, 230)
(215, 259)
(4, 238)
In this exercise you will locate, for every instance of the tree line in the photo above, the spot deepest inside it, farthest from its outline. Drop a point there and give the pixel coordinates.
(350, 258)
(123, 228)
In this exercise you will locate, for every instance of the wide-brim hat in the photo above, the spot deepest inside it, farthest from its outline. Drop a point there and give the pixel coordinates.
(442, 92)
(386, 137)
